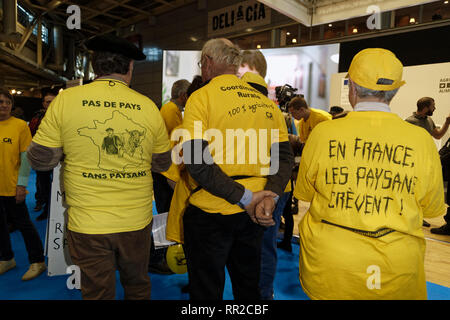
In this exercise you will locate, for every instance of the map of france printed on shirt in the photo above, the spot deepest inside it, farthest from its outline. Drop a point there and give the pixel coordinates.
(119, 142)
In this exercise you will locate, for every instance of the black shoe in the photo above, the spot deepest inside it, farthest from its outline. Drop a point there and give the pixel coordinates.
(426, 224)
(286, 246)
(42, 216)
(160, 268)
(444, 230)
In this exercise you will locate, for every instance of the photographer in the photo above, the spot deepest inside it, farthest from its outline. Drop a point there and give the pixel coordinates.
(308, 117)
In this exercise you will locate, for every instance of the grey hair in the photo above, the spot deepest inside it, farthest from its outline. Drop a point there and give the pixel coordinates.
(382, 95)
(223, 51)
(179, 87)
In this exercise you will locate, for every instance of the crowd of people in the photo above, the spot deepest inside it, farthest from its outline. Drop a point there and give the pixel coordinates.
(370, 178)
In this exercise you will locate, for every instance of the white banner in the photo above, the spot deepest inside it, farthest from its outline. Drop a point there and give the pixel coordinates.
(238, 17)
(56, 242)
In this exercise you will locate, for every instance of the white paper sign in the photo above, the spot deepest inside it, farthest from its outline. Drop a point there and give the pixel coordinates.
(159, 230)
(56, 242)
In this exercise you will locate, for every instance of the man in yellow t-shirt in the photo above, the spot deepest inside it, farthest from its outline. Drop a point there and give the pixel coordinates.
(172, 116)
(308, 117)
(371, 178)
(15, 137)
(236, 152)
(172, 110)
(108, 194)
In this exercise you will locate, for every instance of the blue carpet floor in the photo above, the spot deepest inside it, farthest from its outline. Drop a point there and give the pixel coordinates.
(164, 287)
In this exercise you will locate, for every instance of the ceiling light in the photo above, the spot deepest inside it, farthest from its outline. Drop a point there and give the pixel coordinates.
(445, 2)
(294, 40)
(19, 92)
(330, 25)
(258, 46)
(355, 30)
(193, 39)
(249, 29)
(13, 91)
(412, 20)
(288, 33)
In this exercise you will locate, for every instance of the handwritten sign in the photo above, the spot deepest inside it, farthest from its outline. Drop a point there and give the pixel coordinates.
(382, 171)
(57, 249)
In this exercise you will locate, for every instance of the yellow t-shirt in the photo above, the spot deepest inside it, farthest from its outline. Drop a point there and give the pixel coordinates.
(15, 136)
(371, 178)
(171, 115)
(108, 133)
(241, 124)
(316, 116)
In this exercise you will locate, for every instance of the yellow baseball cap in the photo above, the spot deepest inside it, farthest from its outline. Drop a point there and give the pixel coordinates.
(376, 69)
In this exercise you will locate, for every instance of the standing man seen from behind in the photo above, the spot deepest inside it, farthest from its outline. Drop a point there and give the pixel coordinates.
(362, 236)
(43, 178)
(15, 137)
(109, 196)
(234, 191)
(422, 118)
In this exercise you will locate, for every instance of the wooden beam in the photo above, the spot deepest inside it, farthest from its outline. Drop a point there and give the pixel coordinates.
(39, 44)
(27, 34)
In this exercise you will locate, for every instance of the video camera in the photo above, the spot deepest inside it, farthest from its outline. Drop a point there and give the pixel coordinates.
(284, 95)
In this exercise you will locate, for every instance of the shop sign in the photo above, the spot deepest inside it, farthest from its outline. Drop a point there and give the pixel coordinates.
(238, 17)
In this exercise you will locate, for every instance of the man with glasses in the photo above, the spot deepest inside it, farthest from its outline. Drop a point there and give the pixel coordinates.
(229, 201)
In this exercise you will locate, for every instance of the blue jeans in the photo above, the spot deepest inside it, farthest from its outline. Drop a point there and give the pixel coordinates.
(269, 251)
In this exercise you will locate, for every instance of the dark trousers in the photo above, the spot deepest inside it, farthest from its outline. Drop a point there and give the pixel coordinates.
(19, 216)
(212, 242)
(162, 192)
(99, 255)
(43, 188)
(288, 220)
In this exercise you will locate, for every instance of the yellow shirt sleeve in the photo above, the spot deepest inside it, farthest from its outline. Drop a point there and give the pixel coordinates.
(161, 142)
(49, 132)
(25, 138)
